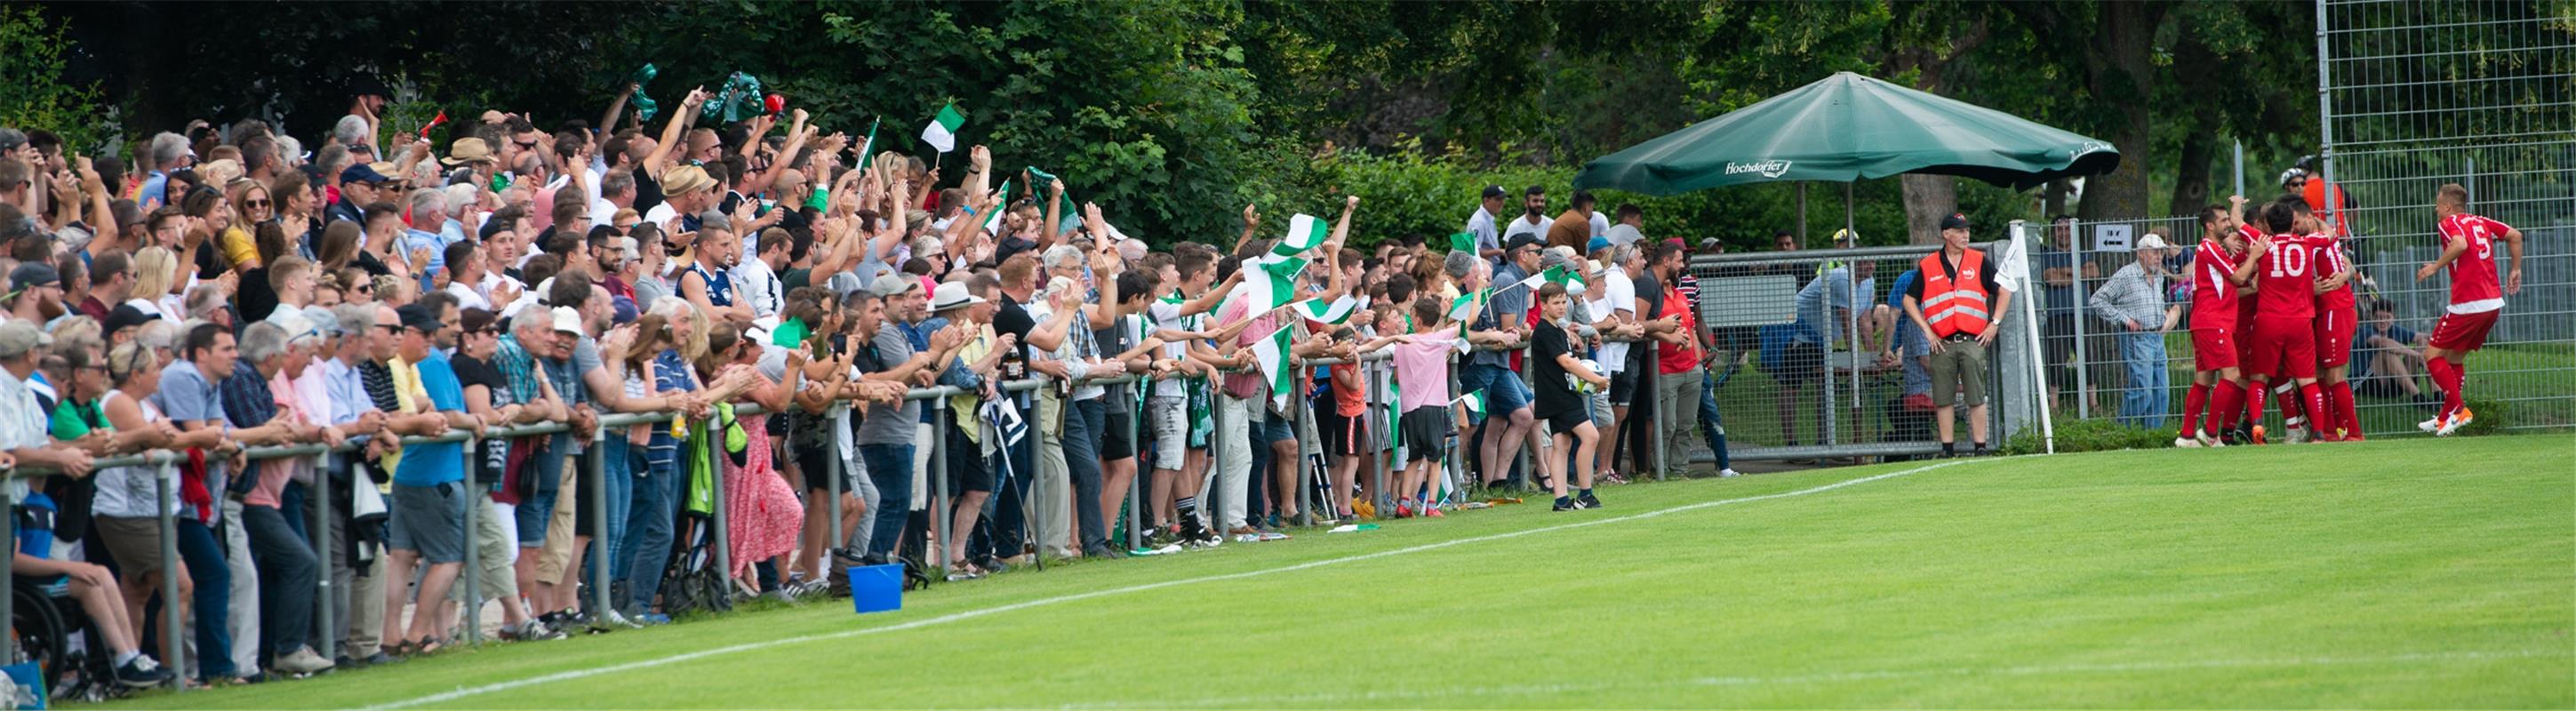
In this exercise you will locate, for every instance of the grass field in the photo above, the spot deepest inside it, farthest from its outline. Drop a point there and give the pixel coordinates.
(2394, 573)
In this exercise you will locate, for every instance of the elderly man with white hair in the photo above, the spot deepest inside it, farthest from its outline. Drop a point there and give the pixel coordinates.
(428, 208)
(278, 352)
(2135, 302)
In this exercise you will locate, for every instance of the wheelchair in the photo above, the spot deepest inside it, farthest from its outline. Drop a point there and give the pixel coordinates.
(44, 620)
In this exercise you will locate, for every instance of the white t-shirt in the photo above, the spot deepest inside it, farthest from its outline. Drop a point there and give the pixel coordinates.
(757, 285)
(660, 214)
(1518, 226)
(468, 297)
(1600, 224)
(1618, 294)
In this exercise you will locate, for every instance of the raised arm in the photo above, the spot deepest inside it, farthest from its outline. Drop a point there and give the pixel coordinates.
(671, 132)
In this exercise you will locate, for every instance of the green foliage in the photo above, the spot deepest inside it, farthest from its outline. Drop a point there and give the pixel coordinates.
(2492, 416)
(33, 91)
(2096, 435)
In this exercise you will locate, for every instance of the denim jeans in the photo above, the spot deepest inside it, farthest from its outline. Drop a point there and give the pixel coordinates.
(286, 576)
(204, 556)
(2144, 404)
(648, 530)
(617, 481)
(1710, 425)
(1085, 422)
(890, 468)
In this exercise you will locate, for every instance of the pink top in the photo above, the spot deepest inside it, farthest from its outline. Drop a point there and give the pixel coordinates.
(1422, 372)
(274, 473)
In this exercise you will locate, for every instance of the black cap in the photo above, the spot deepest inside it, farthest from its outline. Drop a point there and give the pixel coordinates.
(418, 316)
(125, 316)
(30, 275)
(1524, 240)
(1954, 221)
(362, 173)
(1495, 191)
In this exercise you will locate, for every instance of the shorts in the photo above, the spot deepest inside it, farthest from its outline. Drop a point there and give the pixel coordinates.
(2333, 336)
(968, 470)
(135, 543)
(2214, 349)
(429, 520)
(1565, 422)
(2284, 346)
(1960, 365)
(1623, 386)
(1272, 429)
(1503, 389)
(1426, 430)
(1167, 419)
(2463, 332)
(554, 557)
(1380, 415)
(1342, 434)
(1118, 436)
(1800, 363)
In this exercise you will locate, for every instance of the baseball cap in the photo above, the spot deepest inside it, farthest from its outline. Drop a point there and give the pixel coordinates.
(362, 173)
(1495, 191)
(124, 316)
(419, 317)
(1954, 221)
(2151, 241)
(1524, 240)
(892, 285)
(18, 337)
(1597, 244)
(567, 320)
(30, 275)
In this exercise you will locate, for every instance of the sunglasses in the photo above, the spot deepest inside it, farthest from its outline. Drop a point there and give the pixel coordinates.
(255, 203)
(526, 145)
(366, 288)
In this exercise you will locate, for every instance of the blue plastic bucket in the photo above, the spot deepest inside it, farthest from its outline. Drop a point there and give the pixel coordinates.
(876, 588)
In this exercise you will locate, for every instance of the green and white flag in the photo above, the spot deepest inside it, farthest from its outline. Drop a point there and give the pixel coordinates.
(1474, 401)
(1573, 282)
(1305, 232)
(868, 148)
(942, 131)
(1269, 282)
(1334, 313)
(1463, 242)
(1272, 352)
(993, 222)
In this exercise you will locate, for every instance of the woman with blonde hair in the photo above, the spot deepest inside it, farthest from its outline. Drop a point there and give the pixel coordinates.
(251, 206)
(126, 509)
(156, 272)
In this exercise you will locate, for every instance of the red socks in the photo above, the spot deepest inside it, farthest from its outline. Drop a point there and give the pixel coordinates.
(2254, 392)
(2231, 397)
(2340, 402)
(2446, 376)
(2286, 394)
(2315, 396)
(2192, 401)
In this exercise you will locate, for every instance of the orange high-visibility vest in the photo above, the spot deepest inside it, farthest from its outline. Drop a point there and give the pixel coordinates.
(1955, 305)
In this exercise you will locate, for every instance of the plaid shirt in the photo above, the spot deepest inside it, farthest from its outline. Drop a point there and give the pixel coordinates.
(519, 368)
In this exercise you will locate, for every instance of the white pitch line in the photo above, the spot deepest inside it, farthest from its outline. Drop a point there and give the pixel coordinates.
(1525, 690)
(471, 691)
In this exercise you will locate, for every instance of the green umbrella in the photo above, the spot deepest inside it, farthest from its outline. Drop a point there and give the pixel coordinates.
(1845, 128)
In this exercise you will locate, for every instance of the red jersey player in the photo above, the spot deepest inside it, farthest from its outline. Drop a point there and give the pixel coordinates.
(2334, 324)
(2285, 305)
(2223, 262)
(2468, 248)
(2249, 231)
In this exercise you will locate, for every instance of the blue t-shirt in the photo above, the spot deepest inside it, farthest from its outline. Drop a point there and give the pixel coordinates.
(670, 372)
(442, 462)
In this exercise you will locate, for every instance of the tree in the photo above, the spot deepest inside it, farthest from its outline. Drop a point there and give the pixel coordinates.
(2112, 45)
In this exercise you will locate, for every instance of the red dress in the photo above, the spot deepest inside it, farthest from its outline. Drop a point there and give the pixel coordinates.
(762, 515)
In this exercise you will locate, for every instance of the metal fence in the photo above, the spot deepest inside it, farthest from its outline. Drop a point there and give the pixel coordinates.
(1809, 361)
(2416, 94)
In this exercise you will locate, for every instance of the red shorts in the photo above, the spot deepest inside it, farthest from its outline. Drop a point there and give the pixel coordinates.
(2334, 337)
(2283, 347)
(2245, 341)
(2214, 349)
(2462, 333)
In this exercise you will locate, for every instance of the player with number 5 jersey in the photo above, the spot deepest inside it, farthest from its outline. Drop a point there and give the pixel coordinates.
(2477, 297)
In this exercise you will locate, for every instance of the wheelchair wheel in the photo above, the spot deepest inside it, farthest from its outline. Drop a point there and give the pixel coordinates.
(40, 633)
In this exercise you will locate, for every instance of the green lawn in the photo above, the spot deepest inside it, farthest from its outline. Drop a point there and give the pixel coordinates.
(2413, 573)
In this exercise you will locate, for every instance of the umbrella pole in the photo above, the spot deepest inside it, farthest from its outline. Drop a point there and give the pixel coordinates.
(1851, 316)
(1802, 214)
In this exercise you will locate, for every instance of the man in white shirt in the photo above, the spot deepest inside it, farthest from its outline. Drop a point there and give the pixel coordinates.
(1533, 220)
(756, 280)
(616, 192)
(1617, 318)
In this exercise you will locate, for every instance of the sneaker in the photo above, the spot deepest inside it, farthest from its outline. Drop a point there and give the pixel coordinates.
(651, 619)
(2430, 425)
(1586, 501)
(141, 673)
(614, 618)
(1404, 509)
(1433, 512)
(2186, 443)
(2297, 435)
(2459, 418)
(2205, 440)
(380, 658)
(303, 661)
(535, 631)
(1728, 473)
(1565, 504)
